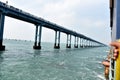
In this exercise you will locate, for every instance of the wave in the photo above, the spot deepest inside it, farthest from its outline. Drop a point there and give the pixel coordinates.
(101, 76)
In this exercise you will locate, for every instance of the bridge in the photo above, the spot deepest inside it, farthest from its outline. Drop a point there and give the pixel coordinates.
(10, 11)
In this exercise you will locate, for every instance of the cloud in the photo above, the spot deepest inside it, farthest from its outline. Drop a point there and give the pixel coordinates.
(84, 16)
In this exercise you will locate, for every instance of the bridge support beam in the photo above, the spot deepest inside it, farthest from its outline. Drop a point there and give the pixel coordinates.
(68, 45)
(76, 42)
(57, 40)
(37, 44)
(2, 18)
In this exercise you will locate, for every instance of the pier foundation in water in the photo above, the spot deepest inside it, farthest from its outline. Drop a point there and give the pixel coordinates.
(37, 44)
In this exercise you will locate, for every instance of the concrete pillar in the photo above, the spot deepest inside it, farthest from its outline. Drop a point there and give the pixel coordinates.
(70, 41)
(2, 19)
(57, 40)
(36, 33)
(76, 42)
(40, 33)
(37, 44)
(81, 42)
(87, 41)
(88, 44)
(68, 45)
(67, 41)
(92, 44)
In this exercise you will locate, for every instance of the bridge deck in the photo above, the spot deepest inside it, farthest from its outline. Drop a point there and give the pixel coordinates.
(27, 17)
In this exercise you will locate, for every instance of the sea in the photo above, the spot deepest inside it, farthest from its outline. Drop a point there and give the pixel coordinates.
(21, 62)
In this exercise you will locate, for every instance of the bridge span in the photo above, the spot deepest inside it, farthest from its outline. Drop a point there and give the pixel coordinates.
(10, 11)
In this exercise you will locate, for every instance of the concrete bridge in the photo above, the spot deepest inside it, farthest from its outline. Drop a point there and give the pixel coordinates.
(10, 11)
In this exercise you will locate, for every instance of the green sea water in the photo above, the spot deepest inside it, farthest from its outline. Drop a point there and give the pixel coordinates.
(20, 62)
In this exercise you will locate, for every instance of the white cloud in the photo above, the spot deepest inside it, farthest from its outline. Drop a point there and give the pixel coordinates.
(84, 16)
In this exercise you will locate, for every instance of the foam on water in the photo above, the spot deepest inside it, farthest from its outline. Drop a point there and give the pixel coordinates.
(101, 77)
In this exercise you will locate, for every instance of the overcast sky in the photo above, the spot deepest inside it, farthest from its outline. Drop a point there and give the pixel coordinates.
(88, 17)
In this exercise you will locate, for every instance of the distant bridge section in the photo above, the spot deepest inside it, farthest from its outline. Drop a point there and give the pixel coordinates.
(10, 11)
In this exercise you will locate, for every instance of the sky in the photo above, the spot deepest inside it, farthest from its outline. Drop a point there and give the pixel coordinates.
(87, 17)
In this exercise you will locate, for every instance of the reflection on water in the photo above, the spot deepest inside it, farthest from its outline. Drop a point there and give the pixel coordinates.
(1, 60)
(37, 53)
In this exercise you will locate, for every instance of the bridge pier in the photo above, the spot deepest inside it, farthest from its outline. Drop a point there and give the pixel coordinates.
(57, 40)
(87, 43)
(76, 42)
(93, 44)
(2, 19)
(84, 43)
(68, 45)
(81, 43)
(37, 44)
(90, 44)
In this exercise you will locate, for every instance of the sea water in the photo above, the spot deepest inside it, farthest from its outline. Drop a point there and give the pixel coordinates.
(21, 62)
